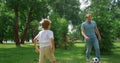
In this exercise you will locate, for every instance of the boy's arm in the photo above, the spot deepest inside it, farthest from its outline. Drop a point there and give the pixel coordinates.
(53, 46)
(35, 44)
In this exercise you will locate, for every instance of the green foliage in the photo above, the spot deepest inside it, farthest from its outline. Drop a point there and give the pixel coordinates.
(114, 9)
(60, 28)
(5, 24)
(34, 28)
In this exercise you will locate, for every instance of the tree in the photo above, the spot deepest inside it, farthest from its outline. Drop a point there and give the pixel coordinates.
(5, 23)
(34, 25)
(34, 14)
(14, 6)
(114, 9)
(60, 28)
(24, 13)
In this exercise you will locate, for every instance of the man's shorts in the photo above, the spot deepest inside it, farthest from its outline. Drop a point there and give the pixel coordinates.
(46, 53)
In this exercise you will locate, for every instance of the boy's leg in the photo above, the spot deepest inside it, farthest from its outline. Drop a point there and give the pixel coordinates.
(97, 49)
(54, 61)
(88, 49)
(42, 56)
(50, 55)
(42, 60)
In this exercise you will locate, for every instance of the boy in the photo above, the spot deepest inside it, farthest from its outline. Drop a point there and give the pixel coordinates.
(46, 43)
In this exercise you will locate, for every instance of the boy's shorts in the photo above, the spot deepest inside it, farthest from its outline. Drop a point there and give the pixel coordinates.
(46, 53)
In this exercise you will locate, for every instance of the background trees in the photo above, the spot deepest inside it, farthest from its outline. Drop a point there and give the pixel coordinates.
(5, 23)
(69, 9)
(23, 13)
(114, 9)
(60, 27)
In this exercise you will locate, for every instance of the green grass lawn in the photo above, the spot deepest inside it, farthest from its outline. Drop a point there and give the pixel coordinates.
(9, 53)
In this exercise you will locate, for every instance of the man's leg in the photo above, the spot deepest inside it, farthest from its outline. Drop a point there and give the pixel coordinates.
(97, 49)
(88, 50)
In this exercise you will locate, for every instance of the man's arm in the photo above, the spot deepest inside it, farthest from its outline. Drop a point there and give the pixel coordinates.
(98, 33)
(35, 44)
(84, 35)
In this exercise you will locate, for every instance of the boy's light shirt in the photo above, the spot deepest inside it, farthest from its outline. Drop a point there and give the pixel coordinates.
(44, 37)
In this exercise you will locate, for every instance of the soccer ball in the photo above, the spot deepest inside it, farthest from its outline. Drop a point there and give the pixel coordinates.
(95, 60)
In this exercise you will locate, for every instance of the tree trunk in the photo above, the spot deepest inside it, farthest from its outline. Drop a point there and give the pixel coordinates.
(24, 34)
(16, 36)
(32, 34)
(1, 41)
(1, 38)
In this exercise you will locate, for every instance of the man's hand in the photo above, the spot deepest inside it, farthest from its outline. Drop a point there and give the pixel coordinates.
(87, 38)
(98, 33)
(99, 37)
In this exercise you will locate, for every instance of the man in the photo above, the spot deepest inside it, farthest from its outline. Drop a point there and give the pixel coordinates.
(89, 30)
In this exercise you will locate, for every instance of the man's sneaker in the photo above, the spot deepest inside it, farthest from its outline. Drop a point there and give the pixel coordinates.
(99, 62)
(88, 60)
